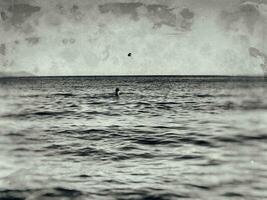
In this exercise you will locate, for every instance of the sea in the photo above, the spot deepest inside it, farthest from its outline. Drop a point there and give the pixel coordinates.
(163, 138)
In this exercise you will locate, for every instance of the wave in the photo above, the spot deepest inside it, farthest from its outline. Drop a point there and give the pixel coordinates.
(50, 193)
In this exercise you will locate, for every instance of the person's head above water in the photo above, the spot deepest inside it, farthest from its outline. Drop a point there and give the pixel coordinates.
(117, 92)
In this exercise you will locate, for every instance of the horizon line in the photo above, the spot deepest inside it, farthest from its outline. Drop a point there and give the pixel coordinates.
(91, 76)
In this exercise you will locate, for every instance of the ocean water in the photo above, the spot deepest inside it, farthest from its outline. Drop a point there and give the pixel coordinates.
(163, 138)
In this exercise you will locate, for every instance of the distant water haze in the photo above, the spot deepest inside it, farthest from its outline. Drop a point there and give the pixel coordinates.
(185, 37)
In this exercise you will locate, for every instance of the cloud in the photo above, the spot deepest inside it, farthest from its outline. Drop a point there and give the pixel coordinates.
(3, 49)
(165, 37)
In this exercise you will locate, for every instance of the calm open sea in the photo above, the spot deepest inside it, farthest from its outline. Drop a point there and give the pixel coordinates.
(163, 138)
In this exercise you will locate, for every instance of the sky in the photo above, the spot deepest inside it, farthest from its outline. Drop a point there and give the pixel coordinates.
(165, 37)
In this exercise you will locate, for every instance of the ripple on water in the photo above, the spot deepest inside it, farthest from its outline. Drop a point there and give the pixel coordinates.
(172, 138)
(49, 194)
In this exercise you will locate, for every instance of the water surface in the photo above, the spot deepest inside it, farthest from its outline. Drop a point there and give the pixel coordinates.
(164, 138)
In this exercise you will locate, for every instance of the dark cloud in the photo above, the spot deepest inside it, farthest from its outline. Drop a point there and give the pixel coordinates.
(20, 12)
(247, 11)
(157, 13)
(33, 40)
(253, 1)
(251, 14)
(3, 49)
(60, 9)
(121, 8)
(163, 15)
(187, 14)
(76, 13)
(228, 18)
(187, 21)
(3, 16)
(66, 9)
(74, 9)
(254, 52)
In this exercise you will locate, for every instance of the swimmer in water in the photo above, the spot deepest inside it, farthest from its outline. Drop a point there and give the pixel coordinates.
(117, 92)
